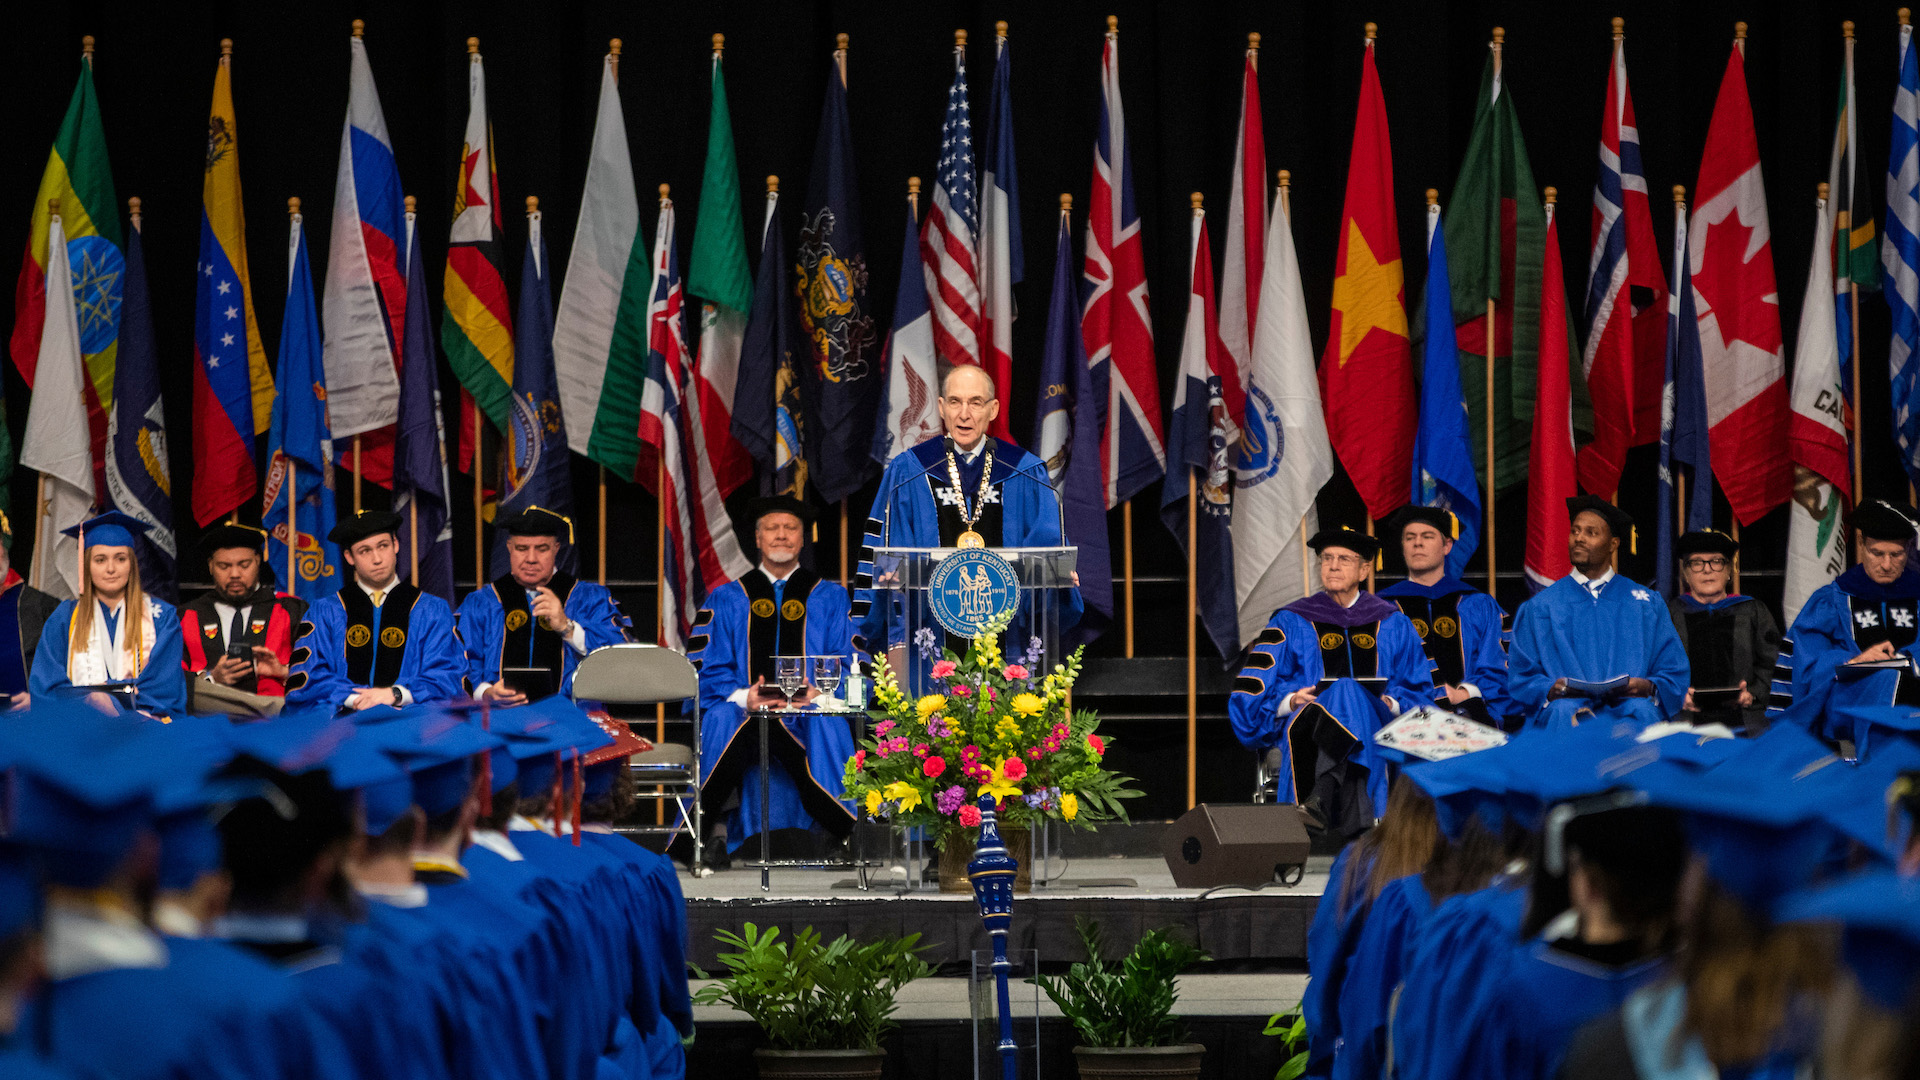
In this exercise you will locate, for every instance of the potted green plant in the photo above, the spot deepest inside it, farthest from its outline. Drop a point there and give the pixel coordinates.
(824, 1007)
(1123, 1010)
(1291, 1029)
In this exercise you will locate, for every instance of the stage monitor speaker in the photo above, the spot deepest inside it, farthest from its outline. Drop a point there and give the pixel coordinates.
(1249, 845)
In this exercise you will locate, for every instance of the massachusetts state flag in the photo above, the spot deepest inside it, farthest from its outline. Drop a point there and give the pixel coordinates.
(1114, 321)
(366, 293)
(1740, 340)
(297, 504)
(139, 479)
(767, 418)
(232, 381)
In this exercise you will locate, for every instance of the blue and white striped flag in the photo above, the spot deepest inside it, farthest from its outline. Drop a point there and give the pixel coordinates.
(1900, 256)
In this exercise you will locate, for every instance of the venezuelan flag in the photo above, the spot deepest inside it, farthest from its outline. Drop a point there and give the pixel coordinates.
(77, 175)
(478, 329)
(232, 381)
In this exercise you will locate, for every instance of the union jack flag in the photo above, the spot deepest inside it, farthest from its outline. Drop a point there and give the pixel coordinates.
(1115, 322)
(701, 553)
(1625, 313)
(949, 236)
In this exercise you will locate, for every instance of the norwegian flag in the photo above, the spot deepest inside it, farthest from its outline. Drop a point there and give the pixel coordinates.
(1625, 313)
(949, 237)
(1114, 321)
(1246, 227)
(1739, 305)
(702, 553)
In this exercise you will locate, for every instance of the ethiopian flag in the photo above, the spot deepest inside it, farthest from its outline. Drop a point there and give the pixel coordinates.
(77, 175)
(478, 330)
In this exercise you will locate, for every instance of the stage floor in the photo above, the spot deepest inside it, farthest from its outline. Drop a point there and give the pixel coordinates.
(1265, 928)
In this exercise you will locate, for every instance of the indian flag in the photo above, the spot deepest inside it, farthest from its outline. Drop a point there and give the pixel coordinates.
(77, 175)
(478, 330)
(604, 304)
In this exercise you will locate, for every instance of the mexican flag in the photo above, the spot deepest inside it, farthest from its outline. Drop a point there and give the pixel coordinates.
(720, 277)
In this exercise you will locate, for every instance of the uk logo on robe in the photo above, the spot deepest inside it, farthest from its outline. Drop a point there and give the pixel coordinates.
(971, 589)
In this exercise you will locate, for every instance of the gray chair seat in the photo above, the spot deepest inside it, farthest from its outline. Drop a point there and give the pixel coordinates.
(666, 760)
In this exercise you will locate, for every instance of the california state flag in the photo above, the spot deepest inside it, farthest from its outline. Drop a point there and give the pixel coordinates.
(1816, 437)
(1739, 306)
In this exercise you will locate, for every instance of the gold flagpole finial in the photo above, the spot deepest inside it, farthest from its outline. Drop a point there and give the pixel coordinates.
(1433, 196)
(1113, 24)
(226, 46)
(719, 43)
(773, 184)
(1679, 193)
(1066, 202)
(1285, 178)
(293, 206)
(1553, 195)
(1373, 31)
(359, 28)
(473, 45)
(410, 202)
(1194, 199)
(959, 39)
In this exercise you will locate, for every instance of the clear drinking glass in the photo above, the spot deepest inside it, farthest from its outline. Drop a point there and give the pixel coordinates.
(826, 674)
(791, 673)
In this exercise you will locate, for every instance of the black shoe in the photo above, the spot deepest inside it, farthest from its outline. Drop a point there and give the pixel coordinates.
(714, 854)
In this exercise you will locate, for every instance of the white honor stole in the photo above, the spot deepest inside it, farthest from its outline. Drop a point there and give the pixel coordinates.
(103, 661)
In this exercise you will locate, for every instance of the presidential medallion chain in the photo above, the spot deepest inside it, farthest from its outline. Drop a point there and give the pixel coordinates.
(971, 538)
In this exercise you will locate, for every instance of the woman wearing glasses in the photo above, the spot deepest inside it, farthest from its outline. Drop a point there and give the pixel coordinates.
(1731, 640)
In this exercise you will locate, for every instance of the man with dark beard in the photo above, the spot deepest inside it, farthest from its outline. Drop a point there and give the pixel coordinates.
(241, 609)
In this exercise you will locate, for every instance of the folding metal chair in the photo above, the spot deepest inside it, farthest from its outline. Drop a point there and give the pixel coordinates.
(650, 675)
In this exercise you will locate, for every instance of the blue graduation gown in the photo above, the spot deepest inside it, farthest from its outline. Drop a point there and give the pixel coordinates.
(431, 667)
(522, 951)
(657, 895)
(721, 647)
(1567, 632)
(1840, 621)
(1545, 996)
(1465, 632)
(482, 621)
(914, 509)
(161, 685)
(1330, 941)
(1449, 975)
(1373, 973)
(19, 1062)
(1369, 638)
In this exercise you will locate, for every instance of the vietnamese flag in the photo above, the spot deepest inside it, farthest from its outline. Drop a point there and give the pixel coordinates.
(1366, 374)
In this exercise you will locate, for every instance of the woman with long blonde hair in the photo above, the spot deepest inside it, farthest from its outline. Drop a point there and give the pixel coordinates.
(114, 641)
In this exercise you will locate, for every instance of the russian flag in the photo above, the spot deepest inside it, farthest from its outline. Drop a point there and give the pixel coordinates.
(365, 307)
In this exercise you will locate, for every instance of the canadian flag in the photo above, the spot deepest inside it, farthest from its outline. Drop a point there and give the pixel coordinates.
(1739, 308)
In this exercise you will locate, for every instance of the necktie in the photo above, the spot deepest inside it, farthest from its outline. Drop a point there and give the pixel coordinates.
(379, 595)
(239, 626)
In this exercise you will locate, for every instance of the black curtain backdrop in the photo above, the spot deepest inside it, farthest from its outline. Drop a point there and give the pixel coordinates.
(1180, 70)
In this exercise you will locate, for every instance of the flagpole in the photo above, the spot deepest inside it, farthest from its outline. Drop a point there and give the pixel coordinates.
(1285, 180)
(356, 476)
(39, 526)
(1493, 574)
(1735, 583)
(293, 471)
(1193, 590)
(843, 543)
(1126, 566)
(413, 535)
(603, 525)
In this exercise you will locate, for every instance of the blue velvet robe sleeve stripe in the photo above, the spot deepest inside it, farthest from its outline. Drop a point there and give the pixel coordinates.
(320, 671)
(1284, 658)
(1484, 633)
(161, 684)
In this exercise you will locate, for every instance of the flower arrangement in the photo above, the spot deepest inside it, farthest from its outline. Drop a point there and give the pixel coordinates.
(991, 727)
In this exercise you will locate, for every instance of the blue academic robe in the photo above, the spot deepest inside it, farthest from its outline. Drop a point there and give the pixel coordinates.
(1373, 974)
(483, 630)
(432, 661)
(161, 688)
(1450, 973)
(19, 1062)
(1465, 632)
(1311, 639)
(522, 949)
(723, 648)
(1565, 632)
(1331, 938)
(1840, 621)
(662, 949)
(916, 507)
(1545, 996)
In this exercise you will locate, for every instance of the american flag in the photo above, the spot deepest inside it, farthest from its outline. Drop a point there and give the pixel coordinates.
(1114, 322)
(701, 552)
(949, 236)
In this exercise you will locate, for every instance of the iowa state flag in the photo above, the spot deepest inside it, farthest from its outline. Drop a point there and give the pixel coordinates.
(477, 327)
(232, 382)
(297, 504)
(78, 175)
(1366, 374)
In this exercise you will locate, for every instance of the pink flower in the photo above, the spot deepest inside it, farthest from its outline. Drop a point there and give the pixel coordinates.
(921, 749)
(990, 694)
(1034, 753)
(1015, 671)
(1097, 744)
(962, 690)
(969, 816)
(883, 727)
(944, 669)
(859, 759)
(970, 753)
(1016, 769)
(934, 766)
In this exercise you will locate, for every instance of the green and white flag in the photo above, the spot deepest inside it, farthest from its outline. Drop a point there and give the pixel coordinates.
(603, 309)
(719, 276)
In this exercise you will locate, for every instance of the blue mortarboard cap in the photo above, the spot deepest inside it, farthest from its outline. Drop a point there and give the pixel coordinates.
(19, 891)
(438, 751)
(84, 785)
(503, 769)
(1881, 913)
(1761, 840)
(111, 529)
(1875, 725)
(189, 849)
(355, 758)
(597, 779)
(1464, 786)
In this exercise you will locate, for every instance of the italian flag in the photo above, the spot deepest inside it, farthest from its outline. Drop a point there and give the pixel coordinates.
(477, 330)
(77, 175)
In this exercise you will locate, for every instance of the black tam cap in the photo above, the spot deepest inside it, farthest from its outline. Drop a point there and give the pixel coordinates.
(232, 535)
(363, 525)
(1618, 520)
(1881, 520)
(1435, 516)
(1342, 537)
(537, 521)
(779, 504)
(1705, 542)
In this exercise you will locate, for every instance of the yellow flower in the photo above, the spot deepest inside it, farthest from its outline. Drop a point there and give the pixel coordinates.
(1007, 728)
(873, 802)
(998, 785)
(1028, 705)
(931, 704)
(908, 795)
(1069, 806)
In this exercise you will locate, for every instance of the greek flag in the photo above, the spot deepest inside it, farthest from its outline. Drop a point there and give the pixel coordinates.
(1900, 256)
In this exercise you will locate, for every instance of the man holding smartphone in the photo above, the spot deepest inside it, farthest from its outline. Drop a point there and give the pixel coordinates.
(240, 633)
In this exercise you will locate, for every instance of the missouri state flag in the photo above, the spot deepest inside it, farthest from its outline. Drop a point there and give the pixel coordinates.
(1366, 373)
(477, 326)
(232, 381)
(78, 175)
(365, 309)
(297, 502)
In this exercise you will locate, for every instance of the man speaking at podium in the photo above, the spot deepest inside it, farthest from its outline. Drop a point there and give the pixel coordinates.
(966, 489)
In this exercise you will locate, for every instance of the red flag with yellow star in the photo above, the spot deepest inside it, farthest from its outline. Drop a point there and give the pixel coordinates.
(1366, 374)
